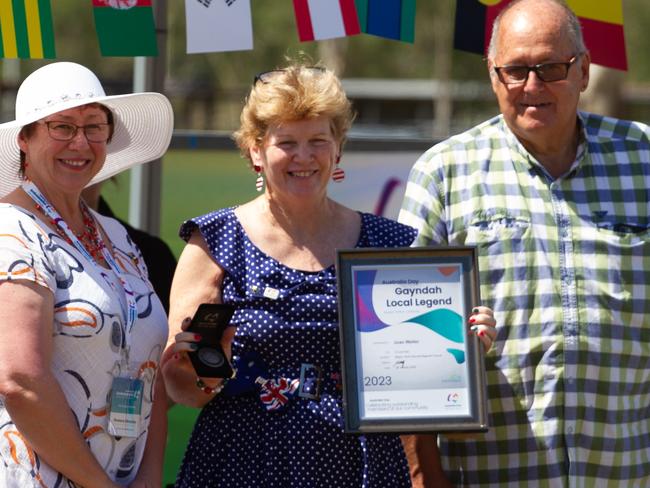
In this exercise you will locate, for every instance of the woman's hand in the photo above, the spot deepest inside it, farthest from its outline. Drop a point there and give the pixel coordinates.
(186, 341)
(483, 324)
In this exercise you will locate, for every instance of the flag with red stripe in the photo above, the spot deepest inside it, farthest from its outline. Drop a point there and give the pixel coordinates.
(325, 19)
(125, 27)
(601, 20)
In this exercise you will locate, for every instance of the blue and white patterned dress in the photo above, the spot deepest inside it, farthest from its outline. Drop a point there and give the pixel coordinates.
(285, 318)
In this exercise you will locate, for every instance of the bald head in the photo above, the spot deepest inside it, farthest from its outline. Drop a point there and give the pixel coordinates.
(533, 35)
(552, 11)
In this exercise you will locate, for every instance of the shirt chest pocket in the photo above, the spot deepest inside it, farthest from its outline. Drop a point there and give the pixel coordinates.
(622, 234)
(497, 226)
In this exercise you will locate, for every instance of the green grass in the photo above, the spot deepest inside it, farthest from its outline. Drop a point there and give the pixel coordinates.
(181, 420)
(193, 182)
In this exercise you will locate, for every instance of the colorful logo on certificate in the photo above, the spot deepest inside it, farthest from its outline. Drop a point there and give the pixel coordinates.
(425, 297)
(454, 400)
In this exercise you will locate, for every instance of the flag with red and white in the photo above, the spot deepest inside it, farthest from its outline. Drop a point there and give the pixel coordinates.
(325, 19)
(275, 394)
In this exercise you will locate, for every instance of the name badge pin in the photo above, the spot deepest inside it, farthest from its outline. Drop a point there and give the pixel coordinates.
(271, 293)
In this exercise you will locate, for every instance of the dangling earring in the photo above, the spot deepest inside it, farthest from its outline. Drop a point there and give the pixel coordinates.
(259, 182)
(338, 175)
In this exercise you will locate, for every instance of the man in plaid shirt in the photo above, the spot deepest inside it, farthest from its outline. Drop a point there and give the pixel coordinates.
(557, 203)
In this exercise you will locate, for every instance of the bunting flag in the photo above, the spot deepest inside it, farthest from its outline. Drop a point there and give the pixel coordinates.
(125, 27)
(26, 29)
(325, 19)
(218, 25)
(601, 20)
(602, 27)
(394, 19)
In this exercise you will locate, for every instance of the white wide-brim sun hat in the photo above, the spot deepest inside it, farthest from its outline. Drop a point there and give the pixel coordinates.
(143, 122)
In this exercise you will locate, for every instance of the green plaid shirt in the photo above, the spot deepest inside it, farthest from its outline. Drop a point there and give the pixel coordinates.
(565, 265)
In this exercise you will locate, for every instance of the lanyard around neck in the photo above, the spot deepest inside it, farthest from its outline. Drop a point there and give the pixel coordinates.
(31, 189)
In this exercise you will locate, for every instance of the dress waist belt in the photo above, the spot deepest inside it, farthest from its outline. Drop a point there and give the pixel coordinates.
(275, 393)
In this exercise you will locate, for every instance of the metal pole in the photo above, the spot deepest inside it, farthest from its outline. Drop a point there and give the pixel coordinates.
(149, 75)
(10, 82)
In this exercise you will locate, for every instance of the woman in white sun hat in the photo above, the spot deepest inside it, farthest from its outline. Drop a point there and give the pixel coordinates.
(81, 329)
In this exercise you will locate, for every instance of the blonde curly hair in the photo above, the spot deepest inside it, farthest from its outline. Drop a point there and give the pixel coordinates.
(292, 93)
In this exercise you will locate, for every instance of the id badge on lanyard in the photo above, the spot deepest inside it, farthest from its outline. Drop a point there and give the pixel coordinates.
(125, 414)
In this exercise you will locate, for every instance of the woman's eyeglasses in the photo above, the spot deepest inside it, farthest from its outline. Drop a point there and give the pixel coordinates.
(267, 76)
(65, 131)
(547, 72)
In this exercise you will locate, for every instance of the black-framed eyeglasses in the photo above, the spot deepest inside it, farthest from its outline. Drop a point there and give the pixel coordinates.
(267, 76)
(547, 72)
(66, 131)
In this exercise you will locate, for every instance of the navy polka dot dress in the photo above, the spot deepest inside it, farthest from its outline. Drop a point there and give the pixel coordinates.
(285, 318)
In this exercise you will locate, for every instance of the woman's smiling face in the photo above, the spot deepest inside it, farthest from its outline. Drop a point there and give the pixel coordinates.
(66, 166)
(297, 157)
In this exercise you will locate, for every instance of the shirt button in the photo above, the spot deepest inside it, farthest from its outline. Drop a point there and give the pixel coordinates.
(570, 430)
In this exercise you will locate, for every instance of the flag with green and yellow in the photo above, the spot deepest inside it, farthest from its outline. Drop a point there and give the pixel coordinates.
(26, 29)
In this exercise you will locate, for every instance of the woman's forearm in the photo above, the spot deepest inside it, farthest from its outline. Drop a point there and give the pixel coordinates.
(42, 415)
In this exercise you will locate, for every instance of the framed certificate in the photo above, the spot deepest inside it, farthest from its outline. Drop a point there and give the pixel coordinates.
(408, 363)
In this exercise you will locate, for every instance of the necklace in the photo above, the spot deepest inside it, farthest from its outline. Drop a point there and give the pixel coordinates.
(89, 237)
(131, 311)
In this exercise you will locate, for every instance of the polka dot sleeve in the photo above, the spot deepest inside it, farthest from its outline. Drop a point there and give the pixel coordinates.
(220, 231)
(383, 232)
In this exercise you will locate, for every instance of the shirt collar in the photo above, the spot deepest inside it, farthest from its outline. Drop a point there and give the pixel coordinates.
(525, 161)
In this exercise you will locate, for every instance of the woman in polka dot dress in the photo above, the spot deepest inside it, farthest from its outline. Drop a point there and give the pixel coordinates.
(272, 258)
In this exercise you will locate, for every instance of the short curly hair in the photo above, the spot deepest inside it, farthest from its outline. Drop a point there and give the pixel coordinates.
(292, 93)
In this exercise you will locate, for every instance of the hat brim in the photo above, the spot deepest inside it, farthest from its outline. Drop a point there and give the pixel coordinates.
(143, 125)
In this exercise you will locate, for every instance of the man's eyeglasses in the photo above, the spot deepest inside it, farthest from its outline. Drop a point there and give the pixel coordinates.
(547, 72)
(267, 76)
(65, 131)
